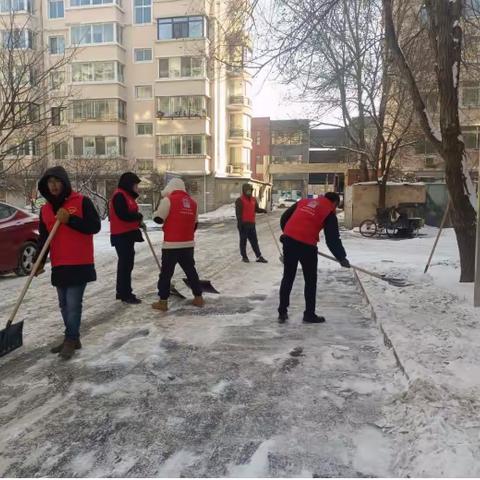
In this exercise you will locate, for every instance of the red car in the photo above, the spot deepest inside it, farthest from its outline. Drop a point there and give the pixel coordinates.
(18, 239)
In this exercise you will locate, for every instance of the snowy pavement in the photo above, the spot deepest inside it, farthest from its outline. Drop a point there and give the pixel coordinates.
(227, 391)
(435, 332)
(219, 391)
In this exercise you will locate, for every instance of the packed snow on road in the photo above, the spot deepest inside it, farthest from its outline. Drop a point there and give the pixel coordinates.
(388, 387)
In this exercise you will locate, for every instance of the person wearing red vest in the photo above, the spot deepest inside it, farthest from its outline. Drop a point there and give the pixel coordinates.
(71, 250)
(246, 208)
(178, 213)
(125, 223)
(301, 225)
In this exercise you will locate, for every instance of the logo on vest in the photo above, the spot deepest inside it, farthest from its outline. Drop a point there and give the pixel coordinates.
(186, 203)
(72, 210)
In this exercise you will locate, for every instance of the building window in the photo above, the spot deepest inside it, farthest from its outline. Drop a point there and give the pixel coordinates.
(181, 27)
(188, 106)
(181, 67)
(88, 3)
(471, 95)
(60, 151)
(26, 149)
(10, 6)
(55, 9)
(96, 33)
(470, 138)
(143, 55)
(57, 79)
(99, 146)
(20, 39)
(103, 110)
(56, 45)
(175, 145)
(143, 92)
(144, 129)
(143, 11)
(56, 114)
(97, 72)
(258, 137)
(288, 138)
(144, 164)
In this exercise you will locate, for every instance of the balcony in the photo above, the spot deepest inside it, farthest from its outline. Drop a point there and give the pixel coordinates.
(239, 133)
(239, 100)
(184, 164)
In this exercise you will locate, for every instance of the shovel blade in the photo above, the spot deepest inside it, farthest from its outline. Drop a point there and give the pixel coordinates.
(205, 285)
(176, 293)
(11, 338)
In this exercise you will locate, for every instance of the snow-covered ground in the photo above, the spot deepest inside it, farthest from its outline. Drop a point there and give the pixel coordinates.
(226, 391)
(435, 332)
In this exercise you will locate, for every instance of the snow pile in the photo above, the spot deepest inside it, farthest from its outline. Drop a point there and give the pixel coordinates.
(435, 334)
(221, 214)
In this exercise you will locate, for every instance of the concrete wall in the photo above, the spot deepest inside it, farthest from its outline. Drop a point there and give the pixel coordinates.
(361, 200)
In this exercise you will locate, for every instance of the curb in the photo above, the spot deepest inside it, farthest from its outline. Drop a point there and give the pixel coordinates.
(373, 314)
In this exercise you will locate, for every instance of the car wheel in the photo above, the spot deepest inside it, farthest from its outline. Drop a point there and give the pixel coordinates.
(26, 258)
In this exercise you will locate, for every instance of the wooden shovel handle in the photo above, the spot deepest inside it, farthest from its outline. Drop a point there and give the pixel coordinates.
(151, 248)
(360, 269)
(33, 272)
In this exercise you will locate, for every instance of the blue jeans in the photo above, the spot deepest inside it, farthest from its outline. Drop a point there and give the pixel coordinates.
(70, 301)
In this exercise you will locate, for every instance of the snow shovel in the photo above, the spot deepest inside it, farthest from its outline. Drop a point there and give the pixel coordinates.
(205, 285)
(173, 290)
(11, 337)
(396, 282)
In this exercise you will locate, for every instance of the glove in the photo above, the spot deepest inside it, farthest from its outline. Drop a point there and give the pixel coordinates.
(345, 263)
(63, 216)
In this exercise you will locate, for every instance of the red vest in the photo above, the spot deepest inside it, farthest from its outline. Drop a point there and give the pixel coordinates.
(180, 223)
(68, 246)
(248, 209)
(308, 219)
(118, 226)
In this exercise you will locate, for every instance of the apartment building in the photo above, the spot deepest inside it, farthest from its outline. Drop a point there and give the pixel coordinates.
(157, 87)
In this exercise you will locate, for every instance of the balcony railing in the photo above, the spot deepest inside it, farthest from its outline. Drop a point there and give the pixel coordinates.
(239, 100)
(239, 133)
(183, 114)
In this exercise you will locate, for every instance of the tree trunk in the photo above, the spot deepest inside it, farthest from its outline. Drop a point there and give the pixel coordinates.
(463, 218)
(382, 194)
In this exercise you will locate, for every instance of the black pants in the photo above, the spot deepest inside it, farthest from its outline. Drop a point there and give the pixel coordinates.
(248, 232)
(170, 258)
(126, 258)
(293, 253)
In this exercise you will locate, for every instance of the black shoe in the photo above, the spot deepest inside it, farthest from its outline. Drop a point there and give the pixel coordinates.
(260, 259)
(245, 260)
(282, 317)
(132, 300)
(313, 319)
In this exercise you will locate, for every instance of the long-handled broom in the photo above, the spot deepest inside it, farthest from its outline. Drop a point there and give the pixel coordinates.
(11, 336)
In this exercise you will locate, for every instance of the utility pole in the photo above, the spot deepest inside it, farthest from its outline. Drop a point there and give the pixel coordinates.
(476, 288)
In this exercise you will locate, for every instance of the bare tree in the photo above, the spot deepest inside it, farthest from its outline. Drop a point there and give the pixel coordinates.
(440, 25)
(33, 96)
(335, 56)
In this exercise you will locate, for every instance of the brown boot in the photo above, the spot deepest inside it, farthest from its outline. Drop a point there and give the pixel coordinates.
(68, 349)
(161, 305)
(59, 347)
(198, 301)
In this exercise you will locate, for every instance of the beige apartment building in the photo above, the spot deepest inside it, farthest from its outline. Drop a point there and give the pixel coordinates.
(156, 87)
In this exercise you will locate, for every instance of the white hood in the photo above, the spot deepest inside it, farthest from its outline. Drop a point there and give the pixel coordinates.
(172, 185)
